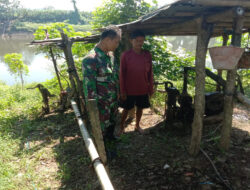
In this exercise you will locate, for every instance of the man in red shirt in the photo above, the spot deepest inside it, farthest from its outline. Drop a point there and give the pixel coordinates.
(136, 79)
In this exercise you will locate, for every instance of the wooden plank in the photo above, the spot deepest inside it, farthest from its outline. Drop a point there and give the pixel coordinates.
(96, 129)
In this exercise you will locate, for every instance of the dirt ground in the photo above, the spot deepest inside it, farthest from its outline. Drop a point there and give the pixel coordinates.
(158, 159)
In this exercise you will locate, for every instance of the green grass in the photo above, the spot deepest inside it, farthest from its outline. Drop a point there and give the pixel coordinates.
(39, 152)
(19, 109)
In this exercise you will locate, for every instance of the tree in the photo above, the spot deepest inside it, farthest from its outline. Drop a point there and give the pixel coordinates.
(8, 10)
(167, 64)
(77, 16)
(119, 11)
(16, 66)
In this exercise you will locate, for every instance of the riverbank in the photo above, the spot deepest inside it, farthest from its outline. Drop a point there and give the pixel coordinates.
(24, 29)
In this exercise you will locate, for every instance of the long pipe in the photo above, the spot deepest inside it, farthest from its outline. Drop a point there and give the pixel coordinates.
(99, 168)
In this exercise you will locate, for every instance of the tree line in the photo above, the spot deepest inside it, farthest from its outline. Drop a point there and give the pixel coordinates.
(50, 15)
(12, 14)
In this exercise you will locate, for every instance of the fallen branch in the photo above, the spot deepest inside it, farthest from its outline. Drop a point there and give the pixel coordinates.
(243, 99)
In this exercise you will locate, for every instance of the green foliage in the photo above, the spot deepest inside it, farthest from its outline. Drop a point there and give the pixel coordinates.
(245, 75)
(244, 40)
(16, 66)
(51, 15)
(167, 65)
(53, 30)
(32, 27)
(79, 50)
(124, 11)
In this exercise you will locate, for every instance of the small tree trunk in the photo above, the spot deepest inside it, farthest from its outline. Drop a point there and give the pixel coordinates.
(55, 67)
(205, 31)
(230, 88)
(21, 77)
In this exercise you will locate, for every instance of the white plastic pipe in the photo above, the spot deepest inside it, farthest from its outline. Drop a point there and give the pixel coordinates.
(99, 168)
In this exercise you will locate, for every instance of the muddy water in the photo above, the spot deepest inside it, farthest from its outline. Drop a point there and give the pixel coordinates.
(39, 66)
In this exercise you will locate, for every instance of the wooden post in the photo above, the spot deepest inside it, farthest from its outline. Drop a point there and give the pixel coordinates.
(230, 84)
(96, 129)
(225, 39)
(74, 78)
(204, 34)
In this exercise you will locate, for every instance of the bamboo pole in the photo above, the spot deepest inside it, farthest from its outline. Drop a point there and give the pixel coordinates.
(98, 166)
(230, 84)
(204, 33)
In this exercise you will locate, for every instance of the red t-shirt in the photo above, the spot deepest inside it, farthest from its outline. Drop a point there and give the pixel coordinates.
(136, 76)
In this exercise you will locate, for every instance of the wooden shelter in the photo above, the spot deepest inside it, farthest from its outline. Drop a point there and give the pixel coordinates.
(201, 18)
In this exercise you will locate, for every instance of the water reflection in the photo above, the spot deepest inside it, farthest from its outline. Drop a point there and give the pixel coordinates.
(39, 67)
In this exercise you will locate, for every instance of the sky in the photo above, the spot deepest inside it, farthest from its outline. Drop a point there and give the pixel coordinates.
(83, 5)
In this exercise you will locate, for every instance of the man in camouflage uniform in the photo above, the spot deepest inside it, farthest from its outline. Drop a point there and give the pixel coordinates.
(100, 79)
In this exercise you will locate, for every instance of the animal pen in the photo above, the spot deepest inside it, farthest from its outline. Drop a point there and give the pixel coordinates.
(202, 18)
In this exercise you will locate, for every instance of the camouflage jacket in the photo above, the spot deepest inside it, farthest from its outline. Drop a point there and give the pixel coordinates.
(100, 77)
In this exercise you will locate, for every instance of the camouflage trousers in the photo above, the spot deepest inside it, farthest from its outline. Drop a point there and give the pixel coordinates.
(107, 113)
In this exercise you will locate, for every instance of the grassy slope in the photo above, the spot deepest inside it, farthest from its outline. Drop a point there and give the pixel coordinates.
(39, 152)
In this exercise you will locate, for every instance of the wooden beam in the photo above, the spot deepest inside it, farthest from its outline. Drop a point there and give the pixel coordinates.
(166, 20)
(184, 14)
(223, 3)
(228, 14)
(230, 87)
(204, 34)
(96, 129)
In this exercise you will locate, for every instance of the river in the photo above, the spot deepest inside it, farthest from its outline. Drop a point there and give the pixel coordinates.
(40, 68)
